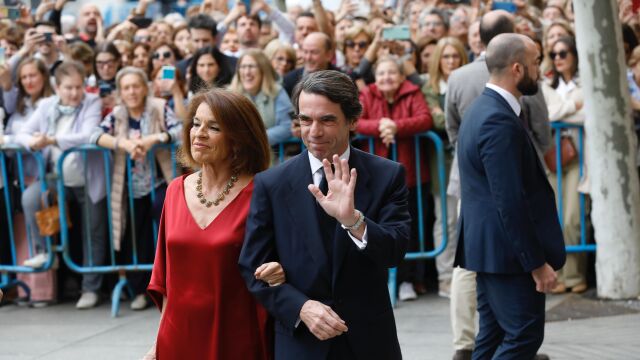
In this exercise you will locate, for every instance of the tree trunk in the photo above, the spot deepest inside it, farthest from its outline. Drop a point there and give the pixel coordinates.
(611, 147)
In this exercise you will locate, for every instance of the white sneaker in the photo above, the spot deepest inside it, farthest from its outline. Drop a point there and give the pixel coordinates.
(406, 292)
(37, 261)
(87, 300)
(444, 289)
(139, 302)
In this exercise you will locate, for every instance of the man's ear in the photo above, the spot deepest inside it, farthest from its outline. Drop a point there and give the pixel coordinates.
(353, 124)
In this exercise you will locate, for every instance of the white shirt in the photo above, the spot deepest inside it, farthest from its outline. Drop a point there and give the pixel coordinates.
(511, 100)
(565, 88)
(316, 173)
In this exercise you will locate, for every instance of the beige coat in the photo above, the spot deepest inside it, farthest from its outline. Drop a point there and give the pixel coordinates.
(155, 109)
(563, 108)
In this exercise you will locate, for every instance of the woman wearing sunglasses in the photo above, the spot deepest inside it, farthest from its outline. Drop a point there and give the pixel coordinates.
(107, 62)
(563, 95)
(355, 45)
(164, 53)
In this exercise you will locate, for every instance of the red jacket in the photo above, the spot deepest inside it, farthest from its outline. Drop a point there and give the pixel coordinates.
(411, 114)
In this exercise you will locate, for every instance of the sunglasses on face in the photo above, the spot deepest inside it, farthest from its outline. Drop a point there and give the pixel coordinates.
(563, 54)
(164, 55)
(352, 44)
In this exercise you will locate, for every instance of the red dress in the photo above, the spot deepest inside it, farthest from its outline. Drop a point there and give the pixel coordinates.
(210, 314)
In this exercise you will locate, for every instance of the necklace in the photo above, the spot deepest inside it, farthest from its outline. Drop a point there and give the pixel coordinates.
(221, 195)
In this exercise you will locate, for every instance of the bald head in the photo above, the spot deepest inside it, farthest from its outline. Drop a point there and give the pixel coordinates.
(506, 49)
(317, 51)
(88, 19)
(494, 23)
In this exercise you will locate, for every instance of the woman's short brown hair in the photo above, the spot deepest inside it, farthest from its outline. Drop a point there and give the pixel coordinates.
(241, 125)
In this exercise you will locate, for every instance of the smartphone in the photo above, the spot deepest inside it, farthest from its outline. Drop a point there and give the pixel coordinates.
(48, 37)
(141, 22)
(105, 89)
(458, 2)
(2, 57)
(505, 5)
(398, 32)
(8, 12)
(247, 4)
(168, 72)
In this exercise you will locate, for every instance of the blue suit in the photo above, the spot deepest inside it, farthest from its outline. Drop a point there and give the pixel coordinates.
(282, 226)
(508, 227)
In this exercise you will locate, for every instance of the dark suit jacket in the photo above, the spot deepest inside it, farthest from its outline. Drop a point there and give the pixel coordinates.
(282, 226)
(508, 219)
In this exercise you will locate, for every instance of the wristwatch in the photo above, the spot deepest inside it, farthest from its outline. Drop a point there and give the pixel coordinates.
(358, 222)
(164, 137)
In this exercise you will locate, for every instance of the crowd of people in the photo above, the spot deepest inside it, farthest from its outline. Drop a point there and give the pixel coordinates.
(68, 80)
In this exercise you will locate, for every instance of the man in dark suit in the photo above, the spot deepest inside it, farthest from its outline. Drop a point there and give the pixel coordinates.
(335, 248)
(508, 229)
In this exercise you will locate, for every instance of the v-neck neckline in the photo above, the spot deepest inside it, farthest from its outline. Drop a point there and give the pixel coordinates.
(186, 204)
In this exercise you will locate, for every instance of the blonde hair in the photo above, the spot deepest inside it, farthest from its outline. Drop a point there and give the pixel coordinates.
(274, 46)
(269, 75)
(353, 32)
(435, 70)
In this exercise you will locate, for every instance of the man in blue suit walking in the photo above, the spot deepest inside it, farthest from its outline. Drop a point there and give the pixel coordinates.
(335, 231)
(508, 228)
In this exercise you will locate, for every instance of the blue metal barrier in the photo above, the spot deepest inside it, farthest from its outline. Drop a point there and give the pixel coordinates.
(558, 126)
(121, 269)
(421, 254)
(8, 271)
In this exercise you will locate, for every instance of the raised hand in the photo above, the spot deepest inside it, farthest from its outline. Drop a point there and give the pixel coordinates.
(338, 202)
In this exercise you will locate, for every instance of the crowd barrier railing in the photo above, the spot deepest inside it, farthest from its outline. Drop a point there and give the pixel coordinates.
(113, 265)
(421, 253)
(8, 270)
(15, 154)
(558, 126)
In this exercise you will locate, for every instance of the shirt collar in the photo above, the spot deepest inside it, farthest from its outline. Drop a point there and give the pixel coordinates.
(511, 100)
(317, 164)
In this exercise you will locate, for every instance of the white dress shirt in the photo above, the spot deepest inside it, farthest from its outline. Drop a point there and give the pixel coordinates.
(316, 172)
(511, 100)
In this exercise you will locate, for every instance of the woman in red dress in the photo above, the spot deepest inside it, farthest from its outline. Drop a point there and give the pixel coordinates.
(207, 311)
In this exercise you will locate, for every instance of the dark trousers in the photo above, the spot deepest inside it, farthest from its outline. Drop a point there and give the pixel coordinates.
(145, 212)
(511, 317)
(340, 349)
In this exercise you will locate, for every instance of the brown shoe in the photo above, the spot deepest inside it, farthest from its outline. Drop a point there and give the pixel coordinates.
(580, 288)
(462, 355)
(541, 357)
(559, 289)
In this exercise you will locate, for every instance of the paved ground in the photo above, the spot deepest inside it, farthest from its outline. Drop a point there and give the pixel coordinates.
(61, 332)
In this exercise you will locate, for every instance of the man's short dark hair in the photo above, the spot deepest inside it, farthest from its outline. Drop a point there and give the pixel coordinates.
(335, 86)
(203, 22)
(308, 14)
(255, 18)
(490, 29)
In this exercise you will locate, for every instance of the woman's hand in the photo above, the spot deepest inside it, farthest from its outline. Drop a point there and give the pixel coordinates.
(388, 130)
(132, 148)
(272, 273)
(39, 141)
(295, 128)
(151, 354)
(5, 78)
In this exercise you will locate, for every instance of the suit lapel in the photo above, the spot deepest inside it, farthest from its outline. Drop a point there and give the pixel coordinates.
(362, 198)
(494, 94)
(302, 208)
